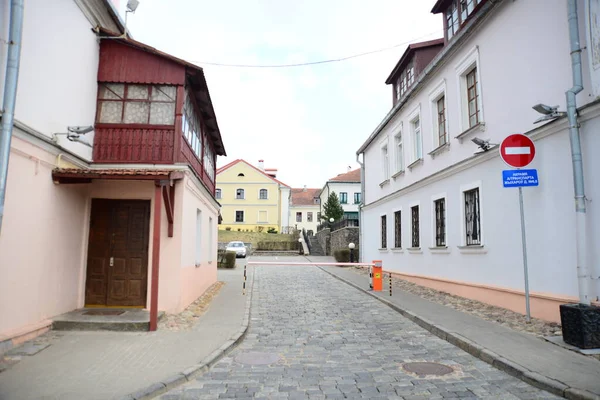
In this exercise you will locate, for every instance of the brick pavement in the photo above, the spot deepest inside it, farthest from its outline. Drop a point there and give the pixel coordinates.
(335, 342)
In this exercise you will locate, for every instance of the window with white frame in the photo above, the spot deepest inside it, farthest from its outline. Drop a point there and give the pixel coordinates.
(218, 194)
(299, 216)
(357, 198)
(415, 235)
(343, 198)
(211, 232)
(383, 232)
(472, 214)
(385, 162)
(399, 147)
(239, 216)
(471, 106)
(198, 246)
(398, 229)
(309, 216)
(442, 135)
(239, 194)
(439, 209)
(263, 194)
(415, 125)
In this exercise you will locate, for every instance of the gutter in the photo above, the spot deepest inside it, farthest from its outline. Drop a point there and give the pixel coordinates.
(10, 94)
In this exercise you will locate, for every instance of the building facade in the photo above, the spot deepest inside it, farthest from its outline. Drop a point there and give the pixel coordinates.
(305, 205)
(252, 198)
(347, 187)
(436, 201)
(111, 175)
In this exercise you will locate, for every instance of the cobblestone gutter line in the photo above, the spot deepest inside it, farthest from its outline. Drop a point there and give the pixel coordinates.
(204, 365)
(503, 364)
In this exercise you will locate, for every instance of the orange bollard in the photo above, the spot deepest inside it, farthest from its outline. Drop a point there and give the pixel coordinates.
(377, 275)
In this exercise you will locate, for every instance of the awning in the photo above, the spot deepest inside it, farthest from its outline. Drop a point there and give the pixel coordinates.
(74, 175)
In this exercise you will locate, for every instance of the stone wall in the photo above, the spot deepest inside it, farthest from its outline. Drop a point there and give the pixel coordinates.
(341, 238)
(324, 239)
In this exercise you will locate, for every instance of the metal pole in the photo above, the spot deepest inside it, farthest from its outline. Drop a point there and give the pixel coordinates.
(244, 285)
(524, 255)
(10, 94)
(390, 283)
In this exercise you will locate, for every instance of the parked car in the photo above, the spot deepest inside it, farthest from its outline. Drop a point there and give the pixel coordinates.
(238, 247)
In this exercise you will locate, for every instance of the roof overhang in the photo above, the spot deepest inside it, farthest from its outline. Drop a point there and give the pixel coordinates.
(440, 6)
(408, 54)
(73, 175)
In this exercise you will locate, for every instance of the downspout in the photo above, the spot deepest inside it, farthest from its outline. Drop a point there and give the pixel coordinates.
(580, 217)
(362, 199)
(10, 94)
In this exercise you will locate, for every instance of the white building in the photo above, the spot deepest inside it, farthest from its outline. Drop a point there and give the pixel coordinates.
(304, 208)
(436, 201)
(347, 188)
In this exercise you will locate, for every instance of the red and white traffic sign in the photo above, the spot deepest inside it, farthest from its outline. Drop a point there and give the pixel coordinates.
(517, 150)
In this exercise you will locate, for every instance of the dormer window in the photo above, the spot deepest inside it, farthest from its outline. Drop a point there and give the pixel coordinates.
(457, 13)
(405, 81)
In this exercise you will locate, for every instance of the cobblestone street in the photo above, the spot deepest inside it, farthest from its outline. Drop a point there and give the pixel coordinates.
(314, 337)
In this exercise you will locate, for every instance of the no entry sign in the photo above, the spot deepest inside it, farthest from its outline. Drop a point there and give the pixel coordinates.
(517, 150)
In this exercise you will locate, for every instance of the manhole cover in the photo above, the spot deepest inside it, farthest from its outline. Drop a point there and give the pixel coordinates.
(103, 312)
(257, 358)
(427, 368)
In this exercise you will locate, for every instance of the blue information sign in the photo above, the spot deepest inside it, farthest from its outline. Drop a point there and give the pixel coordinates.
(520, 177)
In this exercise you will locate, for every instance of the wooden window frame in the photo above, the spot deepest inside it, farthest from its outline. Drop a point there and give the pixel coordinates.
(441, 121)
(415, 227)
(472, 73)
(398, 229)
(383, 219)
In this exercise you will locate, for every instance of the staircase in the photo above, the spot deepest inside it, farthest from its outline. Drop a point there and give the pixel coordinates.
(315, 247)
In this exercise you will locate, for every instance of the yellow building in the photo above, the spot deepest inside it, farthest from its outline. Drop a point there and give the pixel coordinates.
(251, 198)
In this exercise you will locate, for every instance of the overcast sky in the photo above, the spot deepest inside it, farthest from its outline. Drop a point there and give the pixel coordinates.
(305, 121)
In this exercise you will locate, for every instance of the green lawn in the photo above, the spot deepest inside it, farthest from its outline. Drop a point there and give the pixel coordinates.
(253, 237)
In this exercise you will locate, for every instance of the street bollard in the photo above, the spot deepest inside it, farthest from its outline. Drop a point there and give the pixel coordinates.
(370, 277)
(390, 283)
(244, 286)
(377, 278)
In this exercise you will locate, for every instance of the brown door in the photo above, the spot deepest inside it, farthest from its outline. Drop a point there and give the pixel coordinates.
(117, 265)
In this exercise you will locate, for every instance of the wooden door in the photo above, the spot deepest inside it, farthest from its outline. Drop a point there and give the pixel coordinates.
(117, 269)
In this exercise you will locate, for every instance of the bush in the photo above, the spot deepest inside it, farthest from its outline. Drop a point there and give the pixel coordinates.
(281, 246)
(343, 255)
(226, 259)
(228, 228)
(272, 230)
(260, 228)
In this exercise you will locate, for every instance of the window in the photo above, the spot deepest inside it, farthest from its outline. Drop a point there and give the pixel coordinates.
(472, 98)
(218, 193)
(239, 194)
(343, 198)
(417, 139)
(318, 215)
(317, 200)
(309, 216)
(472, 217)
(385, 162)
(466, 8)
(211, 232)
(414, 213)
(383, 232)
(399, 152)
(299, 217)
(263, 194)
(198, 260)
(241, 174)
(357, 198)
(119, 103)
(239, 216)
(262, 216)
(193, 130)
(398, 229)
(452, 20)
(441, 121)
(405, 81)
(440, 222)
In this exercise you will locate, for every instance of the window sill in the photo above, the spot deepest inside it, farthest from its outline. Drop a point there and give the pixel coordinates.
(478, 249)
(415, 163)
(415, 250)
(439, 250)
(397, 250)
(479, 127)
(439, 149)
(397, 174)
(382, 184)
(384, 250)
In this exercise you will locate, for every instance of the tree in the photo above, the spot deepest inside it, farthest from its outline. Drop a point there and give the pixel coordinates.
(332, 208)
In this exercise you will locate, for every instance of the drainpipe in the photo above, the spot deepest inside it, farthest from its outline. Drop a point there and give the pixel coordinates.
(580, 217)
(360, 205)
(10, 94)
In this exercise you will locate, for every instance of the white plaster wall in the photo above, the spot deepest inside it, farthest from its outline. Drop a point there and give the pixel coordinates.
(285, 207)
(58, 72)
(336, 187)
(304, 210)
(524, 59)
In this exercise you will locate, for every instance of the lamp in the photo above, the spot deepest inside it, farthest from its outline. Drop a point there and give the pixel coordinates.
(351, 246)
(549, 112)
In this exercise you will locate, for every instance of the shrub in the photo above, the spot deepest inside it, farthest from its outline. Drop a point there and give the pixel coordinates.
(228, 228)
(226, 259)
(281, 246)
(272, 230)
(343, 255)
(260, 228)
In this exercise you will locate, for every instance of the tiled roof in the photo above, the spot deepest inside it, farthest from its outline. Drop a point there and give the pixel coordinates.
(300, 197)
(234, 162)
(113, 171)
(352, 176)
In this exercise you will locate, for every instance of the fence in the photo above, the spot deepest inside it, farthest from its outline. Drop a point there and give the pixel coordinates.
(342, 223)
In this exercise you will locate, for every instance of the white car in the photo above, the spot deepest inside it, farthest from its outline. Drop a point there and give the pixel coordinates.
(238, 247)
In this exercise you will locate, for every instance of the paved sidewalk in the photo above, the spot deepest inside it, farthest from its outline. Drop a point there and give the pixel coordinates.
(111, 365)
(532, 359)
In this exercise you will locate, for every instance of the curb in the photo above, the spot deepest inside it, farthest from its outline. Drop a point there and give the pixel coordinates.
(518, 371)
(188, 374)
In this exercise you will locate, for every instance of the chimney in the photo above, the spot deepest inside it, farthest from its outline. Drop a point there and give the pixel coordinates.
(261, 165)
(304, 190)
(349, 168)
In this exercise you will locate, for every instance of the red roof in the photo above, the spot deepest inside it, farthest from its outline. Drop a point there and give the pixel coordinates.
(231, 164)
(305, 197)
(352, 176)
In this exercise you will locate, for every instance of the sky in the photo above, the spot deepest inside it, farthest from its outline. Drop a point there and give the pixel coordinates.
(307, 121)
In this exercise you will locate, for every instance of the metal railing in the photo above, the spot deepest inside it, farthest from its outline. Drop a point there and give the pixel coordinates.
(342, 223)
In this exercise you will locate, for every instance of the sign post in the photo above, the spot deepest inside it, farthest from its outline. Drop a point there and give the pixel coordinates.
(518, 151)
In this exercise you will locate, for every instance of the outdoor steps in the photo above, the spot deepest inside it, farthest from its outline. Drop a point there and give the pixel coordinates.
(100, 319)
(315, 247)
